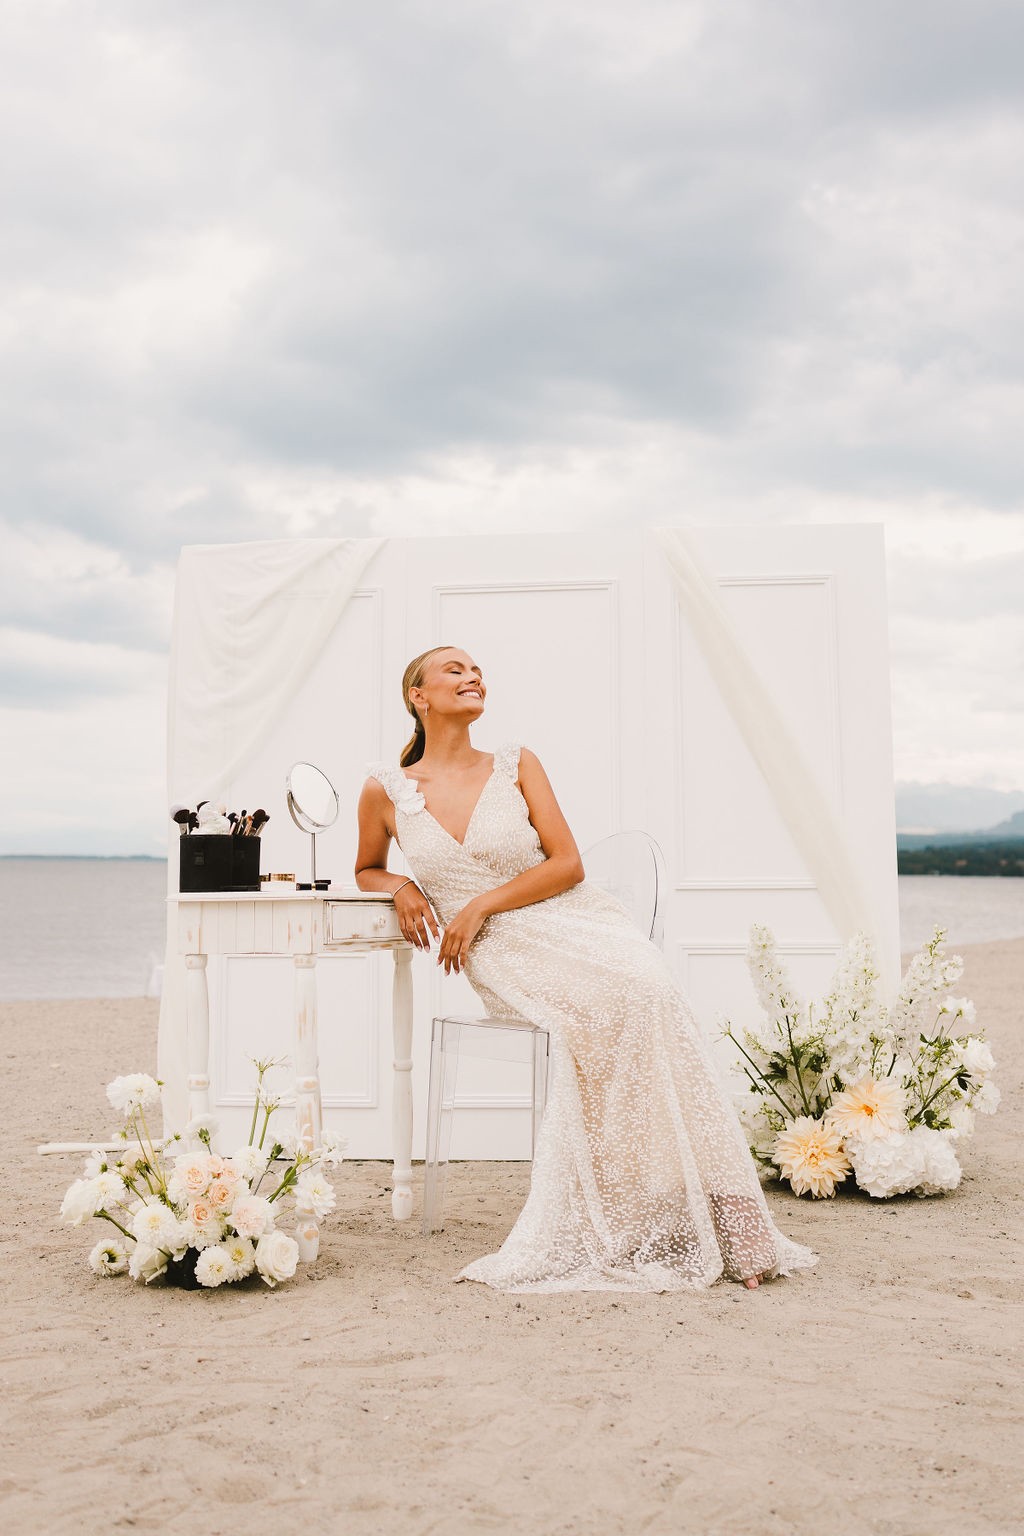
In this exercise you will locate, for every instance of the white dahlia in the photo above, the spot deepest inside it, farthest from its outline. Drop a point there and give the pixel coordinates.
(810, 1155)
(870, 1109)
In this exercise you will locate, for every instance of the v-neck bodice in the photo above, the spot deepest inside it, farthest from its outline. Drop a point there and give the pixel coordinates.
(500, 841)
(459, 841)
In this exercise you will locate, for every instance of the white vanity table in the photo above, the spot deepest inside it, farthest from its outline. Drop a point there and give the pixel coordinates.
(302, 924)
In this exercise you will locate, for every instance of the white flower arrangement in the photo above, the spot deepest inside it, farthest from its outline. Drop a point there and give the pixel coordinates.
(193, 1215)
(851, 1086)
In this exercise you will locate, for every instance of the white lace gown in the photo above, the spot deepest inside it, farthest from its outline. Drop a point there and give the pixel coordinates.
(642, 1179)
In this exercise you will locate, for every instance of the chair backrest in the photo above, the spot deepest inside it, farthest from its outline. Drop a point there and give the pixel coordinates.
(631, 867)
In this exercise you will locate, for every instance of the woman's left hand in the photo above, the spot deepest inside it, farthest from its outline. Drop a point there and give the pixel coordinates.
(458, 936)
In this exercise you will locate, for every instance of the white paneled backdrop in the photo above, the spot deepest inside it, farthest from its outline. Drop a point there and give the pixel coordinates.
(589, 661)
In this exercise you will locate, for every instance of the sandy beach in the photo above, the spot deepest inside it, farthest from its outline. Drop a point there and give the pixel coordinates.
(878, 1393)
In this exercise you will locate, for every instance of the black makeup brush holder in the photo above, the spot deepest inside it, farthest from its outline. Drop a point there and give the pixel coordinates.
(216, 862)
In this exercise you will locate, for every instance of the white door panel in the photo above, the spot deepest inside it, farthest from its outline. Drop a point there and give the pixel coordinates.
(589, 662)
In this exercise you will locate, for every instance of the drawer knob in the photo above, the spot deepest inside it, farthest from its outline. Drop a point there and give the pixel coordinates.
(382, 922)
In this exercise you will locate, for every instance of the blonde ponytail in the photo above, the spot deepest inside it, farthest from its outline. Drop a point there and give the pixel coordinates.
(412, 678)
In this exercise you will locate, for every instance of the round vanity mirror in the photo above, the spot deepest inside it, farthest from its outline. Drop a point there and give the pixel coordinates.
(313, 806)
(312, 798)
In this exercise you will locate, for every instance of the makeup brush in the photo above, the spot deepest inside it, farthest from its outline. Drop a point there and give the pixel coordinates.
(183, 816)
(257, 821)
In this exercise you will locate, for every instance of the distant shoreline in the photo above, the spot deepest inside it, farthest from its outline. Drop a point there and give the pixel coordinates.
(89, 858)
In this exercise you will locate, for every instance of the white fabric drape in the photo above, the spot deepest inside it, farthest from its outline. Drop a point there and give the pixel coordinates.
(249, 622)
(810, 820)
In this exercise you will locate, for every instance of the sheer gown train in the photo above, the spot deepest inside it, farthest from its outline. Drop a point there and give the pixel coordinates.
(642, 1180)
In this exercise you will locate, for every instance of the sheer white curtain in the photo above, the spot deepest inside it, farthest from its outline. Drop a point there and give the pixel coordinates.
(249, 622)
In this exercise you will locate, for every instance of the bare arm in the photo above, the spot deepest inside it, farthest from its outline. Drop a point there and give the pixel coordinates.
(562, 868)
(372, 874)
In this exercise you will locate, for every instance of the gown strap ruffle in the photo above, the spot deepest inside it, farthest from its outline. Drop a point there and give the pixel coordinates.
(506, 759)
(392, 778)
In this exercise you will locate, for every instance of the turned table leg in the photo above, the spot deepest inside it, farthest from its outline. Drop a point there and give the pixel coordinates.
(307, 1087)
(197, 1026)
(401, 1124)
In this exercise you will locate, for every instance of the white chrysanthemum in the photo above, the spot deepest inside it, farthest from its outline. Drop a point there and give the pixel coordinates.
(810, 1155)
(252, 1215)
(886, 1166)
(986, 1100)
(314, 1194)
(95, 1163)
(214, 1266)
(136, 1091)
(242, 1255)
(248, 1162)
(155, 1225)
(80, 1202)
(869, 1109)
(940, 1170)
(109, 1257)
(277, 1255)
(146, 1263)
(976, 1057)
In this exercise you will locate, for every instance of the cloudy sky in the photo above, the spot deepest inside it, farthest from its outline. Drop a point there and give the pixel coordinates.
(327, 268)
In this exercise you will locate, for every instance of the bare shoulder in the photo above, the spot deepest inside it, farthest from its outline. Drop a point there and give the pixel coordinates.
(373, 795)
(531, 770)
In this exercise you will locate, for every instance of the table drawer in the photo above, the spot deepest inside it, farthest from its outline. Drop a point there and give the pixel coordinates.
(353, 922)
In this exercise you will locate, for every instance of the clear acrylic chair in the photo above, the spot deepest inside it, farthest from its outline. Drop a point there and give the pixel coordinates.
(630, 866)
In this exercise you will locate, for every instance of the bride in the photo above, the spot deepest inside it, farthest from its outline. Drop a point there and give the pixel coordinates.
(642, 1179)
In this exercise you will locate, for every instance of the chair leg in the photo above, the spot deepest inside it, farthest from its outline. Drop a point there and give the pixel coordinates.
(444, 1071)
(541, 1048)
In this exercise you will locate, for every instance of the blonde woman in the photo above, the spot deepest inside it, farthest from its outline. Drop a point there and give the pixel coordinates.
(641, 1179)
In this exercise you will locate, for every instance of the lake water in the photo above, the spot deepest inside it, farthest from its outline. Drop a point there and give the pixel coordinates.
(95, 927)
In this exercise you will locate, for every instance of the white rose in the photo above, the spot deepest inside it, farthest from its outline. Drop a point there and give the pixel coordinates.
(109, 1257)
(277, 1254)
(887, 1166)
(987, 1099)
(977, 1057)
(146, 1263)
(961, 1118)
(251, 1216)
(940, 1170)
(80, 1202)
(137, 1091)
(214, 1266)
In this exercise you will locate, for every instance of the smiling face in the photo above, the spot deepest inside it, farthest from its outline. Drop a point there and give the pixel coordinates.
(452, 684)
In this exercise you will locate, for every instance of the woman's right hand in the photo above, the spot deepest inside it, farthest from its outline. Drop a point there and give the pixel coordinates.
(415, 916)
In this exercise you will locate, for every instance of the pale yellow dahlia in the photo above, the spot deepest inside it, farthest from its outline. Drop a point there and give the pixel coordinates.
(810, 1155)
(870, 1109)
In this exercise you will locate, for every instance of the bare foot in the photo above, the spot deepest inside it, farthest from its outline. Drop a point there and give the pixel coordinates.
(754, 1281)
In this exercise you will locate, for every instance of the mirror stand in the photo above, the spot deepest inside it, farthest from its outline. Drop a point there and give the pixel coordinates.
(313, 806)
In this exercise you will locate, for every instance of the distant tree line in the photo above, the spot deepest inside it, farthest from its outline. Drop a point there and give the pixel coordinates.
(995, 858)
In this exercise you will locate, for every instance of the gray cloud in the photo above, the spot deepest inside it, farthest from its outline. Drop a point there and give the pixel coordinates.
(341, 268)
(333, 237)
